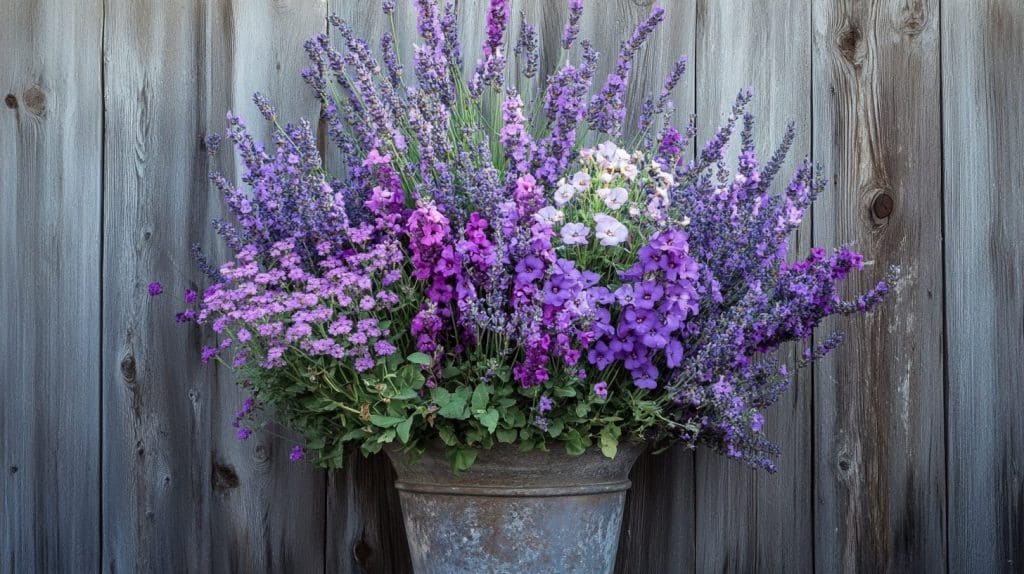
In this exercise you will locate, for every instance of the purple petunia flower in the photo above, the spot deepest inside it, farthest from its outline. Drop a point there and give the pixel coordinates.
(155, 288)
(601, 390)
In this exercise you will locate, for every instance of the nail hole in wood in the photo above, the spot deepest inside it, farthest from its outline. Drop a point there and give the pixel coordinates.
(11, 101)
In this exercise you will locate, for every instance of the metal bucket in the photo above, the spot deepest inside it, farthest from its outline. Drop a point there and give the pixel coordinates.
(514, 512)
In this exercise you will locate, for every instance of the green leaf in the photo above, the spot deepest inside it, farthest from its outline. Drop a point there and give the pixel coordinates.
(403, 429)
(582, 410)
(481, 394)
(574, 444)
(563, 392)
(453, 406)
(451, 372)
(405, 394)
(610, 441)
(506, 436)
(447, 436)
(462, 458)
(410, 377)
(555, 428)
(353, 434)
(489, 419)
(385, 421)
(418, 358)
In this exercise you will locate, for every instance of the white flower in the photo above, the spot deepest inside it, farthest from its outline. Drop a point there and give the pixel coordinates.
(615, 198)
(549, 215)
(630, 171)
(606, 176)
(581, 181)
(575, 234)
(606, 153)
(564, 194)
(602, 192)
(609, 230)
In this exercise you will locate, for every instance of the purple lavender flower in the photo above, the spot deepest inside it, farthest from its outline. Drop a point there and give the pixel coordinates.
(545, 405)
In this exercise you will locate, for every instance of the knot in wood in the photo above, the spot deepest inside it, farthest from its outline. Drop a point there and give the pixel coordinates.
(224, 477)
(128, 369)
(882, 205)
(849, 44)
(35, 100)
(11, 101)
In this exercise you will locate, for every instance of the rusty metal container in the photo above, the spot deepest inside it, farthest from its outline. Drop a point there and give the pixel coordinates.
(514, 512)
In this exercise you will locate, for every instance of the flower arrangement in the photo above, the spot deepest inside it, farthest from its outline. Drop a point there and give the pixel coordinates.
(481, 272)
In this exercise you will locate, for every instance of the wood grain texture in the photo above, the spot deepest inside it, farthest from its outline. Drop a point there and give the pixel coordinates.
(748, 520)
(879, 423)
(157, 396)
(274, 520)
(983, 119)
(50, 209)
(175, 476)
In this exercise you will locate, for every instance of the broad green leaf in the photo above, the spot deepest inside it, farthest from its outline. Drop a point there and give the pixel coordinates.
(419, 358)
(555, 428)
(609, 441)
(403, 429)
(489, 419)
(506, 436)
(481, 394)
(385, 421)
(462, 458)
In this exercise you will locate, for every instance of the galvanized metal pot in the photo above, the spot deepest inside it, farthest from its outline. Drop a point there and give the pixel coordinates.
(514, 512)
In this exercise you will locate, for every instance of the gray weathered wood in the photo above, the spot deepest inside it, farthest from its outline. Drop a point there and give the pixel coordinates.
(748, 520)
(175, 479)
(156, 423)
(983, 119)
(50, 205)
(880, 483)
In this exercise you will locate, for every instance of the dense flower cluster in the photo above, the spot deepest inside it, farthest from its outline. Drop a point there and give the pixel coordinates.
(482, 273)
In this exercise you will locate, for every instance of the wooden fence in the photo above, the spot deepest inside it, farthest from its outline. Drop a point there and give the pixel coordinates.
(904, 452)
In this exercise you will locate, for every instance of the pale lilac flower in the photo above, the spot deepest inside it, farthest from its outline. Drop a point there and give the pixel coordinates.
(609, 230)
(615, 198)
(564, 194)
(575, 234)
(601, 390)
(581, 181)
(549, 215)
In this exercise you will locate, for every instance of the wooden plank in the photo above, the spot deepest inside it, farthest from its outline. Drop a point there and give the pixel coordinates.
(879, 448)
(50, 209)
(983, 119)
(274, 520)
(180, 495)
(749, 520)
(156, 420)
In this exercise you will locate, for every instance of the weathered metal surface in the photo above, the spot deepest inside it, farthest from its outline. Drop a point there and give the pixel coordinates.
(534, 512)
